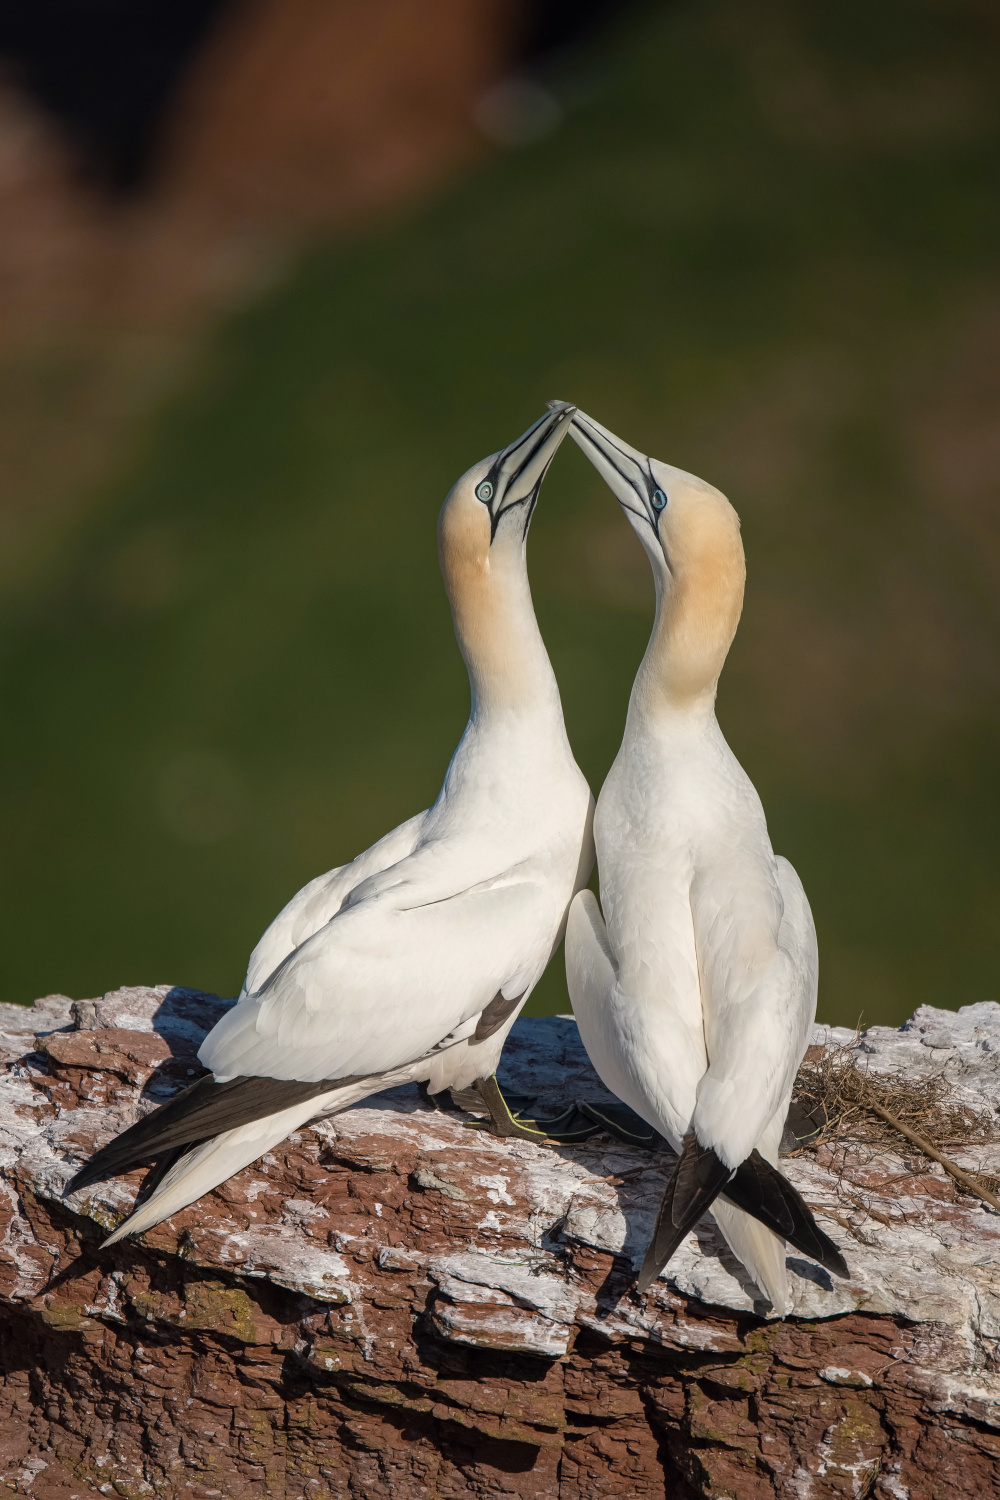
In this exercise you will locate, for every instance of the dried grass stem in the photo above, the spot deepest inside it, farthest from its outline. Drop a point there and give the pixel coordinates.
(855, 1104)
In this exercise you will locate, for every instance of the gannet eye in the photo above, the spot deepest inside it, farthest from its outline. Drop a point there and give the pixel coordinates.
(659, 499)
(484, 492)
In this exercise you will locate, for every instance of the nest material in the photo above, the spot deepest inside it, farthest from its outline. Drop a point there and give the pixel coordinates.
(838, 1094)
(844, 1105)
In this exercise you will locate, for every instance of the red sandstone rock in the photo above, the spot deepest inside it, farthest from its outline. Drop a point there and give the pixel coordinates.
(393, 1305)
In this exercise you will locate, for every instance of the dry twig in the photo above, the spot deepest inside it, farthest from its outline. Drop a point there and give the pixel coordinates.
(965, 1179)
(874, 1108)
(835, 1088)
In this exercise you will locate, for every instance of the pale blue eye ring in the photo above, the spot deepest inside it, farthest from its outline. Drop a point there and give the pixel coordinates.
(485, 492)
(659, 499)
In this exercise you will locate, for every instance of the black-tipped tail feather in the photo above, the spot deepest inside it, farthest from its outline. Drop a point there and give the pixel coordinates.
(756, 1187)
(763, 1193)
(698, 1179)
(205, 1109)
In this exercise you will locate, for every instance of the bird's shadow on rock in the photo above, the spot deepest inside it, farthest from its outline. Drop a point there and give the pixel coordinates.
(185, 1016)
(183, 1019)
(712, 1245)
(809, 1270)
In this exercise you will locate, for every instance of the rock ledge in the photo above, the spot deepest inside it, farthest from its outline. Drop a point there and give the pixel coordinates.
(393, 1305)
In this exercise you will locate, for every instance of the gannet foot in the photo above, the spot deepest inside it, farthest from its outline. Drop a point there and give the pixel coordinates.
(623, 1123)
(565, 1128)
(442, 1100)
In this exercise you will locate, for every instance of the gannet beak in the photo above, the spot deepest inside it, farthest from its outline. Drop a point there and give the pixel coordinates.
(626, 470)
(516, 474)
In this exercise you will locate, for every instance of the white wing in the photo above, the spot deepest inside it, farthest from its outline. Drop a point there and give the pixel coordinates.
(643, 1049)
(591, 974)
(313, 906)
(383, 982)
(759, 970)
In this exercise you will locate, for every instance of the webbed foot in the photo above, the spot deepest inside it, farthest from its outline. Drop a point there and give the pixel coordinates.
(623, 1123)
(569, 1126)
(443, 1100)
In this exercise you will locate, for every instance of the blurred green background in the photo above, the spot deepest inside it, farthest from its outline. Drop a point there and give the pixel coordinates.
(763, 245)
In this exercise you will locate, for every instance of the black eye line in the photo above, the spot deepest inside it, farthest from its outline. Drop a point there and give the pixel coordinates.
(614, 445)
(530, 500)
(621, 473)
(492, 479)
(653, 487)
(494, 475)
(494, 523)
(542, 440)
(526, 460)
(634, 512)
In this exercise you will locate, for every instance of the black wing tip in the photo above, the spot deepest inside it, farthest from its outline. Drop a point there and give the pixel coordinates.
(757, 1187)
(762, 1191)
(121, 1154)
(699, 1177)
(79, 1180)
(833, 1260)
(95, 1170)
(822, 1250)
(697, 1180)
(648, 1273)
(203, 1109)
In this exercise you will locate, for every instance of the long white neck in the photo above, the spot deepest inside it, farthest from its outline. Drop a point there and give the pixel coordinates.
(509, 669)
(698, 608)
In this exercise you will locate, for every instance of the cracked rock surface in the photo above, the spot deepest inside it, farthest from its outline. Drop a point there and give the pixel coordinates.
(392, 1304)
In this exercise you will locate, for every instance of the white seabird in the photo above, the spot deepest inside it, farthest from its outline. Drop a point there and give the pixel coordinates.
(411, 963)
(695, 991)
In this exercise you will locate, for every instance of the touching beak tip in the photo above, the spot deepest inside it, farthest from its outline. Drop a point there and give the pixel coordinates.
(563, 411)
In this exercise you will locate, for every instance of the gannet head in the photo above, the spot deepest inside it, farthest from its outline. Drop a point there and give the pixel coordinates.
(691, 535)
(489, 509)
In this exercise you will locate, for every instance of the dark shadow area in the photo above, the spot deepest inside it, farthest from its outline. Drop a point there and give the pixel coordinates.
(107, 70)
(810, 1271)
(550, 29)
(619, 1281)
(78, 1266)
(186, 1016)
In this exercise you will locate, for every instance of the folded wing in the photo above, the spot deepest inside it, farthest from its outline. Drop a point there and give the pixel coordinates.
(316, 903)
(381, 985)
(757, 959)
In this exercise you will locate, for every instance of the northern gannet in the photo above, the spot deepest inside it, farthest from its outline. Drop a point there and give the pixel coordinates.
(695, 991)
(411, 963)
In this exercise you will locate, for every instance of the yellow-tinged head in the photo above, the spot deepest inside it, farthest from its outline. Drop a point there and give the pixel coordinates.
(482, 531)
(691, 535)
(492, 504)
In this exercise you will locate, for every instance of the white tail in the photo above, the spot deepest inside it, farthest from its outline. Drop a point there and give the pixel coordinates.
(760, 1250)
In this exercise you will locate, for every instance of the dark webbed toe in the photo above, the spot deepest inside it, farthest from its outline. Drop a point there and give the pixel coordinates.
(506, 1120)
(623, 1123)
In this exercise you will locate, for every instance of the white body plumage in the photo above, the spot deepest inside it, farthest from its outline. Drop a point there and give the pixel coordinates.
(710, 961)
(389, 962)
(696, 989)
(380, 972)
